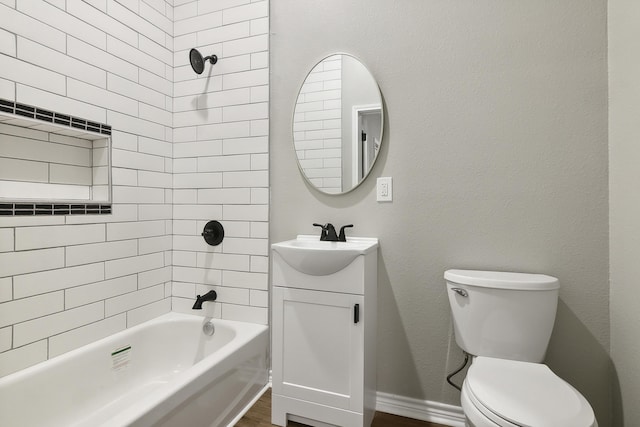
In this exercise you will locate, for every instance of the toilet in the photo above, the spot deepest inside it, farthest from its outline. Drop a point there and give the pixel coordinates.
(504, 321)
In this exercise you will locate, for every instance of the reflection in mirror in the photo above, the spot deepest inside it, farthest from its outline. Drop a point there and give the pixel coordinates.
(338, 124)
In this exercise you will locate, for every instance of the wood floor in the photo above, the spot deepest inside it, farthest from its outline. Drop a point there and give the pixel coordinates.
(260, 416)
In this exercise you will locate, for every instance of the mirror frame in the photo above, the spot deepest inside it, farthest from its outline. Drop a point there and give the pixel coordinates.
(382, 115)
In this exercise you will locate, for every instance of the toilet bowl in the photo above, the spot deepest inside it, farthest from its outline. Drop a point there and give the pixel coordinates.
(504, 320)
(506, 393)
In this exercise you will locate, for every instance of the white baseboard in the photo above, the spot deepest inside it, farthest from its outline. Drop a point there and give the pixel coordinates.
(425, 410)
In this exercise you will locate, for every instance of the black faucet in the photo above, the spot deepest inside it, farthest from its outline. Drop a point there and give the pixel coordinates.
(209, 296)
(329, 234)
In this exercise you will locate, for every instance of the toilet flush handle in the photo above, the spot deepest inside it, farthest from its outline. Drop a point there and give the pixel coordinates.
(460, 292)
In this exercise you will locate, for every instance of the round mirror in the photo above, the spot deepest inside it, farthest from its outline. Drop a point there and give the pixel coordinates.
(337, 124)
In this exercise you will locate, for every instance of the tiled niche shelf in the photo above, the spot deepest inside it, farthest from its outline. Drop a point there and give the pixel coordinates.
(96, 170)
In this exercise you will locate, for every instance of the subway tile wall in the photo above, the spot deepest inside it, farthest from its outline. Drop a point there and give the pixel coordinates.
(220, 166)
(186, 149)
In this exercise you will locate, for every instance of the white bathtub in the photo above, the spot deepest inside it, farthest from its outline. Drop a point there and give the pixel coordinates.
(165, 372)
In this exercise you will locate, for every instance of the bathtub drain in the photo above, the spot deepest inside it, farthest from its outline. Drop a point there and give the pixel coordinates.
(208, 328)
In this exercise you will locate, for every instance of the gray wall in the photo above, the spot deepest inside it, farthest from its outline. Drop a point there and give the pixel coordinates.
(624, 143)
(496, 139)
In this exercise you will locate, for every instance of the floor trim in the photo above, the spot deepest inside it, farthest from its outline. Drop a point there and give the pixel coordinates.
(425, 410)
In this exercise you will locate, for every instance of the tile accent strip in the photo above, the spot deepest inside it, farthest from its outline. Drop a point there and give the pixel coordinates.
(31, 209)
(52, 117)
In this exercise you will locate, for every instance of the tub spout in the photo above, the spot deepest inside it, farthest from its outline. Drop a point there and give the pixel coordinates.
(209, 296)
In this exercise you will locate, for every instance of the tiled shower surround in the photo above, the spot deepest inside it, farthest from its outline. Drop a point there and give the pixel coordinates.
(186, 149)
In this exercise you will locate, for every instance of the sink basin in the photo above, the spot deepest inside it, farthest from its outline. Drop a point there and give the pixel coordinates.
(309, 255)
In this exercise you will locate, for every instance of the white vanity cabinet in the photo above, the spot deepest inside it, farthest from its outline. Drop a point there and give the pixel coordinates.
(324, 336)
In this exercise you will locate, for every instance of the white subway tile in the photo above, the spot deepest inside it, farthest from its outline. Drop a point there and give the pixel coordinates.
(6, 288)
(198, 85)
(54, 280)
(245, 45)
(133, 160)
(184, 258)
(6, 238)
(20, 310)
(260, 127)
(197, 149)
(233, 228)
(259, 162)
(184, 11)
(259, 264)
(7, 89)
(154, 179)
(245, 179)
(104, 98)
(33, 75)
(222, 261)
(246, 246)
(185, 165)
(184, 196)
(65, 174)
(84, 335)
(245, 313)
(188, 227)
(85, 254)
(136, 22)
(183, 290)
(98, 19)
(23, 357)
(260, 230)
(121, 176)
(155, 82)
(259, 26)
(244, 13)
(54, 236)
(43, 99)
(99, 58)
(259, 144)
(34, 330)
(6, 336)
(197, 23)
(135, 125)
(154, 212)
(154, 244)
(7, 43)
(133, 300)
(125, 266)
(224, 196)
(148, 312)
(134, 230)
(207, 212)
(156, 17)
(197, 275)
(246, 280)
(227, 32)
(259, 298)
(224, 163)
(236, 113)
(154, 146)
(135, 90)
(154, 277)
(224, 130)
(98, 4)
(226, 295)
(16, 22)
(82, 295)
(12, 263)
(197, 180)
(64, 22)
(206, 6)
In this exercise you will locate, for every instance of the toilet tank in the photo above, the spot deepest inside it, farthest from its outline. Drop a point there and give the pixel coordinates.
(502, 315)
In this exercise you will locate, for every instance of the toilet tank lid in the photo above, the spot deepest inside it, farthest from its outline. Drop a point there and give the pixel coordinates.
(502, 280)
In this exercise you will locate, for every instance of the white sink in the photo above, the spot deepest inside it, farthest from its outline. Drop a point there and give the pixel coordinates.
(309, 255)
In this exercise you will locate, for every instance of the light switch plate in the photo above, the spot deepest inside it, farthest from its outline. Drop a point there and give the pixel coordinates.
(384, 189)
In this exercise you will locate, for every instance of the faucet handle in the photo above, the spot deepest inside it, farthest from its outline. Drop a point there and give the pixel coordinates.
(323, 234)
(342, 237)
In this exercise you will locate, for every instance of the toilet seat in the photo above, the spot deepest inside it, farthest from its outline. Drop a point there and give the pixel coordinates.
(513, 393)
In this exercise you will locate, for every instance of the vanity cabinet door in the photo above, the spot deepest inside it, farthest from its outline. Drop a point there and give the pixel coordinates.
(318, 347)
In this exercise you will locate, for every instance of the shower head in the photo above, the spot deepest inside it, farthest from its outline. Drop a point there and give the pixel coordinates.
(197, 61)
